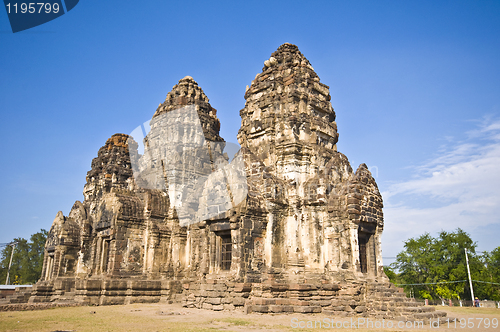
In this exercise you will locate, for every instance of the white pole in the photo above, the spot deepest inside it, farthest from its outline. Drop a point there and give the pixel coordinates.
(13, 245)
(470, 280)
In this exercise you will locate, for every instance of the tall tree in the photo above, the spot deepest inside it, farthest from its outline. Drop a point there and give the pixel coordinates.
(37, 250)
(437, 263)
(27, 260)
(490, 275)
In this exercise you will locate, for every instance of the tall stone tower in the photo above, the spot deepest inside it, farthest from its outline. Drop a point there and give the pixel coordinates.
(288, 125)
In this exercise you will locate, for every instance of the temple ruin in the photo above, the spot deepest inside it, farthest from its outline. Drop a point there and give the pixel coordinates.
(285, 225)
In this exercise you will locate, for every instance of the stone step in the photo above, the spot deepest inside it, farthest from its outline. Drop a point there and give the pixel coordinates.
(414, 309)
(388, 297)
(21, 296)
(381, 287)
(17, 298)
(65, 300)
(381, 284)
(412, 304)
(283, 308)
(395, 302)
(429, 315)
(388, 294)
(289, 301)
(17, 301)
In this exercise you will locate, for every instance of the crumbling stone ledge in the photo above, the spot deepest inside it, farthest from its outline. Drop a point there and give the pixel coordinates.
(35, 306)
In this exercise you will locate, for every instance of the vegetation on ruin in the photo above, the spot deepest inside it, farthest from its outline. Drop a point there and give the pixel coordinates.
(438, 266)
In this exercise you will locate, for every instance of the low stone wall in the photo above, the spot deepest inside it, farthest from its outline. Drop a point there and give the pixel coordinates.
(214, 295)
(6, 292)
(34, 306)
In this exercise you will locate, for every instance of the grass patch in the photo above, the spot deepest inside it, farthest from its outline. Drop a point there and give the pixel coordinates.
(235, 321)
(470, 310)
(82, 319)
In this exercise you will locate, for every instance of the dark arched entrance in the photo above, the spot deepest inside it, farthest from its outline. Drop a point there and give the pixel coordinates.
(366, 246)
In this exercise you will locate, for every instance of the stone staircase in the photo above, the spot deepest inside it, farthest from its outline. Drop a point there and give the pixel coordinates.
(384, 300)
(379, 300)
(67, 298)
(291, 297)
(21, 295)
(22, 300)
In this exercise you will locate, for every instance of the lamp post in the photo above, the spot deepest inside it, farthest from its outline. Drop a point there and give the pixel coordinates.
(470, 280)
(13, 245)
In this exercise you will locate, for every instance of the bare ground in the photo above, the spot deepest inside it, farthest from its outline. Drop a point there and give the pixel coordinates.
(173, 317)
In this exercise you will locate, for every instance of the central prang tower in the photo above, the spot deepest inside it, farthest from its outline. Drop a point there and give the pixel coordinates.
(321, 217)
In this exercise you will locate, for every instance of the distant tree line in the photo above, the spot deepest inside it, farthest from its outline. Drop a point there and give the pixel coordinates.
(439, 265)
(27, 261)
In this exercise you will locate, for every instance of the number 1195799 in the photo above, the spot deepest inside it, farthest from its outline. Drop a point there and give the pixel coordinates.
(33, 7)
(473, 323)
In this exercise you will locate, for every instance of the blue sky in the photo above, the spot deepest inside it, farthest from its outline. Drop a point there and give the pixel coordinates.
(415, 86)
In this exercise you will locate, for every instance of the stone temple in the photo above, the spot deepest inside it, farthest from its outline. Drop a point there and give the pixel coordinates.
(285, 226)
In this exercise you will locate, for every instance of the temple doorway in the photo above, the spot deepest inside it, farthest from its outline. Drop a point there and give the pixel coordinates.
(363, 262)
(367, 256)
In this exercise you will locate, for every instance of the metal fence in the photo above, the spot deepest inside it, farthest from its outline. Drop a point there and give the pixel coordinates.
(464, 303)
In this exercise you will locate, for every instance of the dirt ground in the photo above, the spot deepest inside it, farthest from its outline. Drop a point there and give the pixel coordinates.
(173, 317)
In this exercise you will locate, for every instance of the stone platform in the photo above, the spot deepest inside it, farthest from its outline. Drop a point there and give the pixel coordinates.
(379, 300)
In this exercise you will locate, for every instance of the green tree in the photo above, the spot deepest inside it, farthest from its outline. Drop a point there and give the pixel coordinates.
(393, 276)
(414, 264)
(494, 267)
(27, 261)
(36, 252)
(431, 261)
(490, 274)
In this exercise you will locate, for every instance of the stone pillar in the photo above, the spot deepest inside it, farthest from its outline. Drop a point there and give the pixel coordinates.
(44, 267)
(236, 253)
(268, 247)
(97, 256)
(354, 242)
(378, 251)
(55, 264)
(291, 238)
(49, 267)
(212, 252)
(145, 244)
(104, 256)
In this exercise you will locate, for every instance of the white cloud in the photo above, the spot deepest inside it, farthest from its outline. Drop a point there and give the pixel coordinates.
(458, 188)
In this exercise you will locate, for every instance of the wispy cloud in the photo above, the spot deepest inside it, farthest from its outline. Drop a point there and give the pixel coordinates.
(459, 188)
